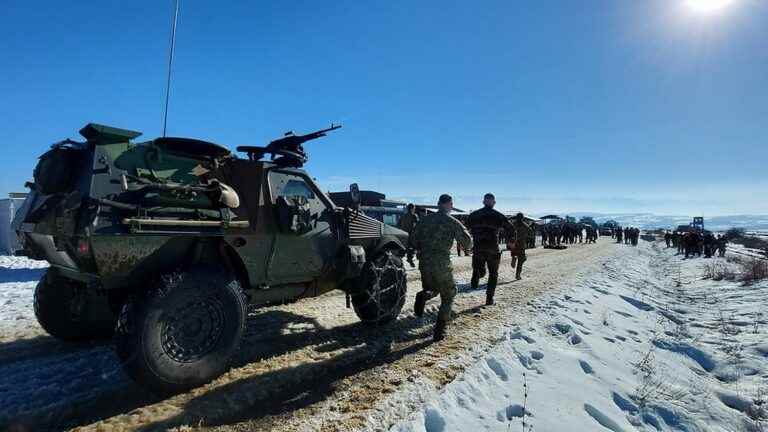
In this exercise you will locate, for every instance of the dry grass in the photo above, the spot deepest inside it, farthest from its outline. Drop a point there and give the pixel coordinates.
(747, 270)
(758, 412)
(753, 269)
(719, 270)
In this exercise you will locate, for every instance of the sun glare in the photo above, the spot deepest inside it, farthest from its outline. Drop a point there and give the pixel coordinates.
(708, 6)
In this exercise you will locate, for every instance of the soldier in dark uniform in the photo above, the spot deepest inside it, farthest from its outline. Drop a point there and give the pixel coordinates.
(722, 244)
(668, 238)
(689, 243)
(485, 225)
(433, 238)
(407, 223)
(709, 245)
(680, 242)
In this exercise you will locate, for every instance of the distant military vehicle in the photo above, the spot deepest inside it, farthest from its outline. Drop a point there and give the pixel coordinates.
(165, 242)
(587, 220)
(608, 228)
(375, 205)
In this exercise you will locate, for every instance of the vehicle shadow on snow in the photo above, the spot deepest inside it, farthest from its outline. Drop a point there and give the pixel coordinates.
(292, 388)
(39, 347)
(21, 274)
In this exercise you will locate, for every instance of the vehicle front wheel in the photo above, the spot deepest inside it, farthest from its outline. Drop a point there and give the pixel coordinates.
(66, 310)
(182, 332)
(379, 292)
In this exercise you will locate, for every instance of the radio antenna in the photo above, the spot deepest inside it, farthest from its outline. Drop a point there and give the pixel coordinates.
(171, 48)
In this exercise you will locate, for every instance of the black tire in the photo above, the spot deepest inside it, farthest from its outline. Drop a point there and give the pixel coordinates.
(67, 311)
(379, 292)
(183, 331)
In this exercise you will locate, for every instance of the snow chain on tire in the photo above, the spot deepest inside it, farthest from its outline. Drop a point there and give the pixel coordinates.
(381, 290)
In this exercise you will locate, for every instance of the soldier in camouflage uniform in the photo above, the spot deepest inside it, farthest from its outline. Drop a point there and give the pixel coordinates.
(407, 223)
(522, 233)
(433, 238)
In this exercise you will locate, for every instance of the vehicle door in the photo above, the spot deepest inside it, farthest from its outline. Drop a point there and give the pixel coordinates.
(303, 253)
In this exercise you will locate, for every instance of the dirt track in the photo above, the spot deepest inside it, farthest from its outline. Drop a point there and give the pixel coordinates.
(303, 366)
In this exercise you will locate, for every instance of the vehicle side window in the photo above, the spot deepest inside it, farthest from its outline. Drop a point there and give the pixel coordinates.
(295, 188)
(390, 219)
(291, 186)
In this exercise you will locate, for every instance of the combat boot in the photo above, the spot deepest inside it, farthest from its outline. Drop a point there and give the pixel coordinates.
(489, 296)
(439, 330)
(421, 302)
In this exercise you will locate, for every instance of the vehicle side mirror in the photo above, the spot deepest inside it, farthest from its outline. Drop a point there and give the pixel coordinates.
(354, 195)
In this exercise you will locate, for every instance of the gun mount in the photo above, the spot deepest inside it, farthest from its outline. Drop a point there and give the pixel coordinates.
(288, 150)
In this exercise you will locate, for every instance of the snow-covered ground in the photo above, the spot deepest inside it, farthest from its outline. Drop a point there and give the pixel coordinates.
(18, 277)
(745, 251)
(647, 344)
(603, 337)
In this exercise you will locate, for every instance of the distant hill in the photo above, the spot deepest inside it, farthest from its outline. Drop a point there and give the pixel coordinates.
(648, 220)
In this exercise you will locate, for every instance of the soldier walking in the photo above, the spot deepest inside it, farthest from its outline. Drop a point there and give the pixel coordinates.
(522, 232)
(722, 244)
(463, 221)
(532, 238)
(407, 223)
(433, 238)
(485, 225)
(678, 238)
(710, 245)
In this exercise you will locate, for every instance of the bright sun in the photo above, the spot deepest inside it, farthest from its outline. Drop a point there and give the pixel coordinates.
(708, 6)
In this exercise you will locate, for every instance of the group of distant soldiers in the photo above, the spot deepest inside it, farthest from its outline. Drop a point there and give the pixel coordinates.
(627, 235)
(695, 243)
(556, 235)
(431, 239)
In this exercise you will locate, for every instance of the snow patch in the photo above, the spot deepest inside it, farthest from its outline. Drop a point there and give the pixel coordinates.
(658, 349)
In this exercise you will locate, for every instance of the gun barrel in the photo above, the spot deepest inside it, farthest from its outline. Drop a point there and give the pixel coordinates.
(332, 128)
(295, 140)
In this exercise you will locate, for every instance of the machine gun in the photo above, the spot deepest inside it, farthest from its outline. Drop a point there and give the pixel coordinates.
(288, 150)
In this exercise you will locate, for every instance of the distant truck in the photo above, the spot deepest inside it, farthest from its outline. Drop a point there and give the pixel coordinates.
(587, 220)
(376, 205)
(373, 204)
(609, 227)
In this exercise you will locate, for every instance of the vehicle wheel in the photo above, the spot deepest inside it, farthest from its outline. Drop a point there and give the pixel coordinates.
(67, 311)
(182, 332)
(380, 290)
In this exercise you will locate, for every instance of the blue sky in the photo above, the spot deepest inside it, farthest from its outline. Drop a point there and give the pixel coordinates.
(580, 105)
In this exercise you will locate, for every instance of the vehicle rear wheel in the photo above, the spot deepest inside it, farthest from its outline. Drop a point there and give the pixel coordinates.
(380, 290)
(66, 310)
(182, 332)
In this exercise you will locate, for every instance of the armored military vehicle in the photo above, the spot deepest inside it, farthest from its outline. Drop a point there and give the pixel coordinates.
(165, 242)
